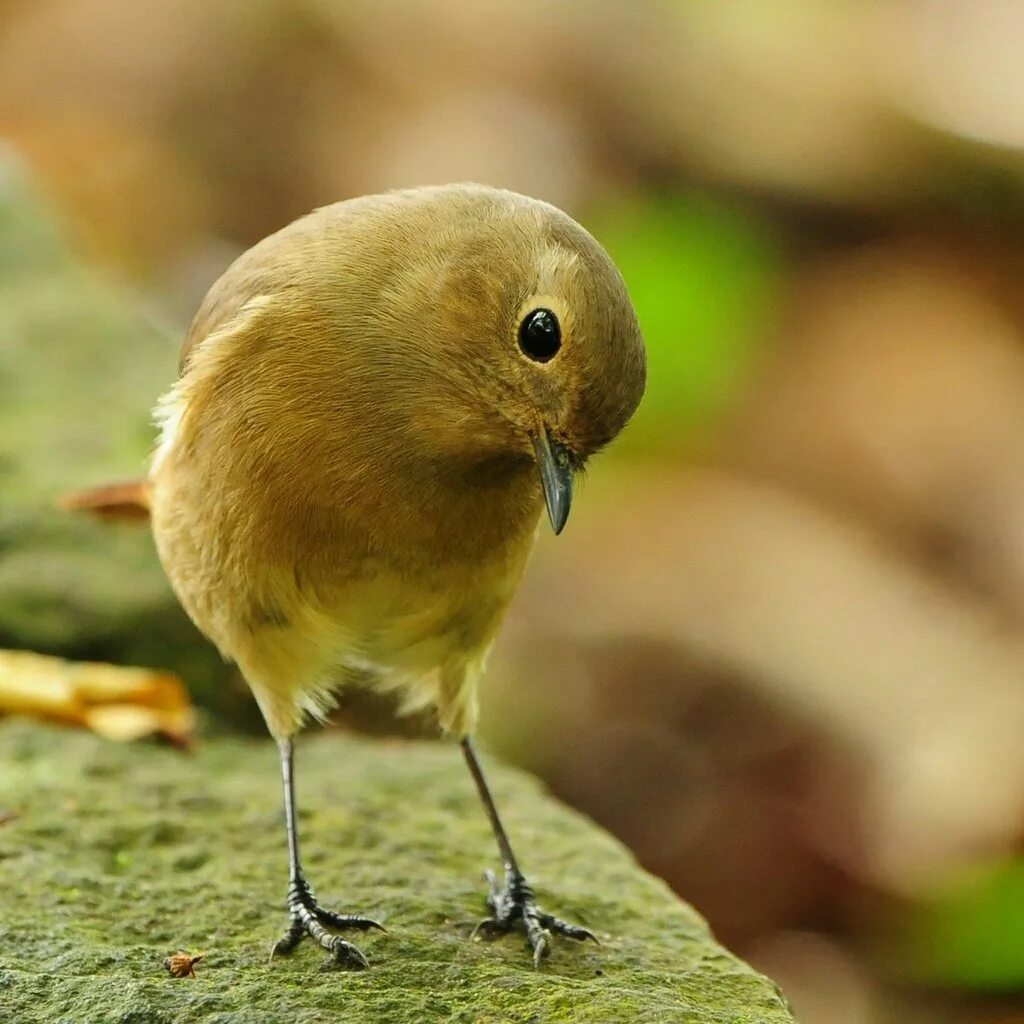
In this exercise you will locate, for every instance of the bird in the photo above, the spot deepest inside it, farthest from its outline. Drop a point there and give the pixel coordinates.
(374, 407)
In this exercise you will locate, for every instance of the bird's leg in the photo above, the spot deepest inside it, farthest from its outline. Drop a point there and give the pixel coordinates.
(307, 916)
(514, 901)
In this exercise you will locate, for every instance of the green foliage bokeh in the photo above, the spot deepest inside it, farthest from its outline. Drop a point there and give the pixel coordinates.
(701, 275)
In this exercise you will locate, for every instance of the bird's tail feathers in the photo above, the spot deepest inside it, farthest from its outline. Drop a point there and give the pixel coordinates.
(129, 499)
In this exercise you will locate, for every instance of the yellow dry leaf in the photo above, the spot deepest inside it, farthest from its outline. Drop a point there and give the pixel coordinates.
(97, 683)
(122, 703)
(127, 722)
(31, 684)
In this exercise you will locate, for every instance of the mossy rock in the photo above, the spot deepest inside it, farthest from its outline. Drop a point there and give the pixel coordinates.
(82, 364)
(115, 857)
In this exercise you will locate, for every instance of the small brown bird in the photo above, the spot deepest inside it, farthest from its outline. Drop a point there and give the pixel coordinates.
(374, 405)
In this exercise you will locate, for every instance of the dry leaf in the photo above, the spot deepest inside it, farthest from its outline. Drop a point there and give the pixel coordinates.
(117, 702)
(181, 965)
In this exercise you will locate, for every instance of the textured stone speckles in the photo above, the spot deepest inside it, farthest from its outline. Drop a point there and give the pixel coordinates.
(121, 855)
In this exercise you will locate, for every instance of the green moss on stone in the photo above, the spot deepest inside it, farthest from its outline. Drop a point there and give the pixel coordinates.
(81, 367)
(120, 855)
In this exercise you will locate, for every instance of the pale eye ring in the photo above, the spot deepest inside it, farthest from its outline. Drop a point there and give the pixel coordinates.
(540, 336)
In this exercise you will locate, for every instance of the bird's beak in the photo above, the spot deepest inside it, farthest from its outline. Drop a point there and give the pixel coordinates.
(556, 477)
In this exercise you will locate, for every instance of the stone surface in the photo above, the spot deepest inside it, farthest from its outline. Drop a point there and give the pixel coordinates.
(115, 857)
(81, 366)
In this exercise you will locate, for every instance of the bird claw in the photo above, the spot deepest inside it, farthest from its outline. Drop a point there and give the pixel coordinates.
(345, 954)
(514, 901)
(309, 918)
(541, 947)
(333, 919)
(487, 929)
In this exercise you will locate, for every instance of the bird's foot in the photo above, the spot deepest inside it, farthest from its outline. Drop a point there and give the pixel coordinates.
(514, 901)
(309, 918)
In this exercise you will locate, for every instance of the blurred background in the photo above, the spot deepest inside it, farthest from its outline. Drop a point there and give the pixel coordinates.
(780, 650)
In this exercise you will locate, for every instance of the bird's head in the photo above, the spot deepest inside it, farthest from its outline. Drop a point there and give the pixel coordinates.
(543, 357)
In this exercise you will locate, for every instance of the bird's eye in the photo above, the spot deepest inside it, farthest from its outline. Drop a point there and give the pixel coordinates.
(540, 337)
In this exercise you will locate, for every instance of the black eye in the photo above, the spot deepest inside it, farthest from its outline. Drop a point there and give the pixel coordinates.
(540, 337)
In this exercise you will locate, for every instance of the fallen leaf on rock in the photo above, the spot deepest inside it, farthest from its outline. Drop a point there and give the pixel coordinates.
(118, 702)
(181, 965)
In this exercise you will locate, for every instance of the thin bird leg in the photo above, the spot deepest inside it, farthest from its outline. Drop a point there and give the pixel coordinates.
(307, 916)
(515, 900)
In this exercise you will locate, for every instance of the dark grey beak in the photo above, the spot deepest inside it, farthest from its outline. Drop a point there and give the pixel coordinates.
(556, 477)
